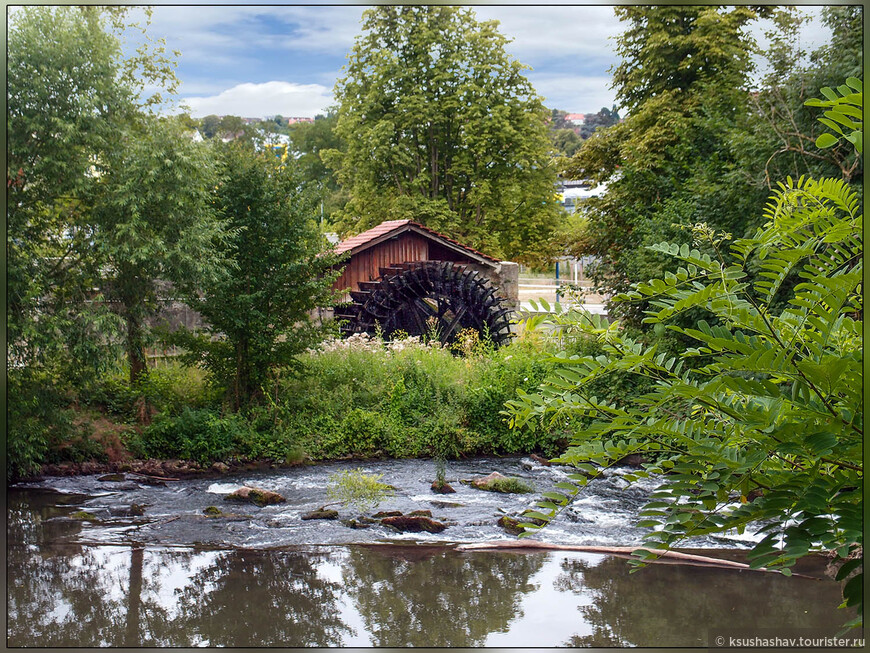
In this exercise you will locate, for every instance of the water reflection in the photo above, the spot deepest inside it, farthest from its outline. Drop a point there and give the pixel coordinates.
(675, 605)
(63, 594)
(436, 597)
(262, 598)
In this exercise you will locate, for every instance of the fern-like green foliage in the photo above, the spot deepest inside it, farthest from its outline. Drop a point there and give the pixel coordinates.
(761, 422)
(845, 114)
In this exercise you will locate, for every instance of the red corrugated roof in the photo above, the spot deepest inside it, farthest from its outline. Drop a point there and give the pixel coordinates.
(367, 236)
(359, 241)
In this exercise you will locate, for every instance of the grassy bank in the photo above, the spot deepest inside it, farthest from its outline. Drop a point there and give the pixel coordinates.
(359, 397)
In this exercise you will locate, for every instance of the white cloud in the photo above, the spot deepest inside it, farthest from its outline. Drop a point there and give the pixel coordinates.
(552, 31)
(258, 100)
(573, 93)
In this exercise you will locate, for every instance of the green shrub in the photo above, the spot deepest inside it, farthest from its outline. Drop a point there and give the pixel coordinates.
(404, 399)
(169, 388)
(357, 489)
(37, 420)
(200, 435)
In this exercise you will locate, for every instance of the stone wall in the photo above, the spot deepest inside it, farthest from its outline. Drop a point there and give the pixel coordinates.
(505, 277)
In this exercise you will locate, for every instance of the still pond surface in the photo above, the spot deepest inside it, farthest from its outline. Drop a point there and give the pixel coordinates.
(145, 567)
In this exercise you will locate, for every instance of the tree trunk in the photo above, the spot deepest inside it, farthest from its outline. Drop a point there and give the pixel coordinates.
(135, 349)
(134, 599)
(242, 381)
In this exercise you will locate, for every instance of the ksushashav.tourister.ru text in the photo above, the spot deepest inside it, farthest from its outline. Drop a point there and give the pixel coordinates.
(791, 642)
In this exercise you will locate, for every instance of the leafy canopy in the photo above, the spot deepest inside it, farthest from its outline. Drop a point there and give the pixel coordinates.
(673, 161)
(761, 420)
(276, 274)
(442, 127)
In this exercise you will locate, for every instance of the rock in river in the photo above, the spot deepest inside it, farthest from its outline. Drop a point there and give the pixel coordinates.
(496, 482)
(415, 524)
(321, 513)
(511, 525)
(255, 495)
(442, 487)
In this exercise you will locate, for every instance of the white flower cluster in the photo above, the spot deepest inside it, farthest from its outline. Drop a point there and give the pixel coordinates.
(366, 342)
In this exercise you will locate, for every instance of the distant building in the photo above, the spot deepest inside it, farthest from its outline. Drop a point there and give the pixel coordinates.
(570, 191)
(293, 121)
(575, 119)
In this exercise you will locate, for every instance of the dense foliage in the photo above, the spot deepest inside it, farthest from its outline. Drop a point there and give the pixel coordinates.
(675, 160)
(783, 129)
(308, 142)
(154, 222)
(361, 397)
(408, 399)
(72, 102)
(441, 126)
(258, 311)
(761, 421)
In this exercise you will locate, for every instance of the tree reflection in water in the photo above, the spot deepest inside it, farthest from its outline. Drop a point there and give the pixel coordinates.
(71, 595)
(677, 605)
(261, 598)
(415, 596)
(82, 596)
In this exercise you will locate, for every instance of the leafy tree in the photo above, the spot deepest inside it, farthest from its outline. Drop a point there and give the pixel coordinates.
(683, 80)
(441, 126)
(563, 135)
(604, 118)
(783, 131)
(210, 126)
(761, 421)
(64, 107)
(154, 222)
(566, 142)
(309, 141)
(70, 93)
(259, 309)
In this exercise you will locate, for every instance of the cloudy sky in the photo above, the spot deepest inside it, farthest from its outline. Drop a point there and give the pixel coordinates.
(257, 61)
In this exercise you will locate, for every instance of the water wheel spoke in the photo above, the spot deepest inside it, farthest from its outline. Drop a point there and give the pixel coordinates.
(418, 315)
(423, 306)
(422, 295)
(452, 324)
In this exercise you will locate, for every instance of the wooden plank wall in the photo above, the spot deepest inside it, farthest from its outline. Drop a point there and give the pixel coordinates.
(366, 265)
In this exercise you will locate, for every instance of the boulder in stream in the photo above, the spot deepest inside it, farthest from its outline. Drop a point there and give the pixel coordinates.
(496, 482)
(321, 513)
(256, 496)
(414, 524)
(442, 487)
(511, 525)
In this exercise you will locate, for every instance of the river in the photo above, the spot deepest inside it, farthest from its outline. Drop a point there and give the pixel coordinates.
(95, 563)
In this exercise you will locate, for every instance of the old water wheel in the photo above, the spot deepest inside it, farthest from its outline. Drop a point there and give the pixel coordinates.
(427, 298)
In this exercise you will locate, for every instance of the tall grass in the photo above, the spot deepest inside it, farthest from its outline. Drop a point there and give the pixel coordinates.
(408, 399)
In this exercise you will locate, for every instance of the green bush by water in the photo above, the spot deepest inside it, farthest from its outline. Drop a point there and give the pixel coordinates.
(360, 397)
(411, 400)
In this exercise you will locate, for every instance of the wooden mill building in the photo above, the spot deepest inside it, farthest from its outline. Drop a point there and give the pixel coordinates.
(400, 274)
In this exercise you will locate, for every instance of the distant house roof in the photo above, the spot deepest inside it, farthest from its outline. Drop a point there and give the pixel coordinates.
(392, 228)
(576, 118)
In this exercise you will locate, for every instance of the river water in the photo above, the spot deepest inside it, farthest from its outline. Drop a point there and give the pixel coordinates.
(94, 563)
